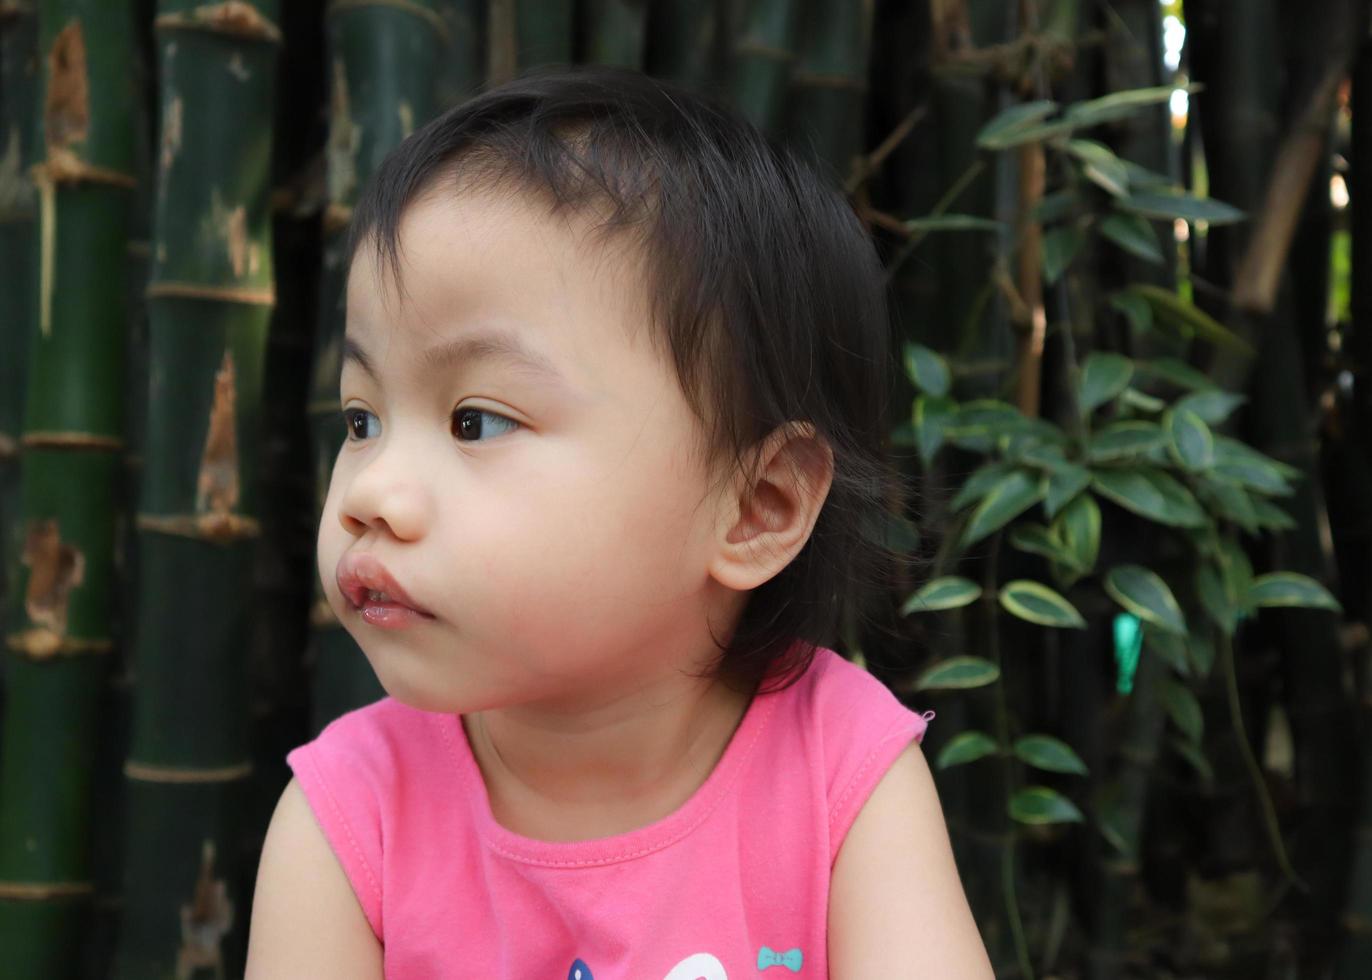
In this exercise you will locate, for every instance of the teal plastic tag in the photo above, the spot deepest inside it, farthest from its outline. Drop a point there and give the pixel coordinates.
(1128, 645)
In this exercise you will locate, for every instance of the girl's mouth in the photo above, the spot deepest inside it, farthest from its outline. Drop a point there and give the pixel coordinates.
(369, 588)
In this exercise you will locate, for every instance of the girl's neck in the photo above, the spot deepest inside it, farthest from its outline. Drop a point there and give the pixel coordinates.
(624, 765)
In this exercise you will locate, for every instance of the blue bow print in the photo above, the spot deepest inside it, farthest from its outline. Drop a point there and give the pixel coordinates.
(791, 959)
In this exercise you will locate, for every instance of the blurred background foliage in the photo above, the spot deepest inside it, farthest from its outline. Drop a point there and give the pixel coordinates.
(1123, 242)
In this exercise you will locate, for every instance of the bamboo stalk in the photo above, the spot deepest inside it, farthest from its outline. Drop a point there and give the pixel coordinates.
(685, 42)
(762, 60)
(826, 105)
(209, 302)
(612, 32)
(59, 640)
(375, 104)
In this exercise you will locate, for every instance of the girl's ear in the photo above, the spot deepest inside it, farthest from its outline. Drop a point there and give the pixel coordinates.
(765, 520)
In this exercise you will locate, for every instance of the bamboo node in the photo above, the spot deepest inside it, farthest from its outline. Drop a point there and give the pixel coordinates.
(150, 772)
(66, 108)
(430, 17)
(763, 50)
(222, 294)
(41, 644)
(822, 80)
(233, 17)
(71, 440)
(42, 891)
(64, 167)
(8, 447)
(214, 528)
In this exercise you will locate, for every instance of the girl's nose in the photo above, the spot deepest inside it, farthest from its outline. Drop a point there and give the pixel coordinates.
(385, 495)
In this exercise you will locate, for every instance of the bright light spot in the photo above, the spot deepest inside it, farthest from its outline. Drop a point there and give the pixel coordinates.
(1338, 192)
(1181, 230)
(1180, 104)
(1173, 36)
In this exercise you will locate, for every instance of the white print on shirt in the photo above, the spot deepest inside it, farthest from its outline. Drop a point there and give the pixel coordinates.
(699, 966)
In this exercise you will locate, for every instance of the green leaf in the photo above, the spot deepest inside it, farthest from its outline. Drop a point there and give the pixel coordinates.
(1168, 647)
(1177, 373)
(1054, 207)
(1201, 646)
(1183, 708)
(1189, 439)
(982, 481)
(982, 423)
(1037, 805)
(1038, 540)
(953, 222)
(932, 418)
(1064, 483)
(1291, 589)
(1008, 126)
(1135, 308)
(948, 592)
(1103, 377)
(927, 370)
(1116, 105)
(1231, 502)
(1247, 467)
(1197, 760)
(1122, 440)
(1100, 166)
(966, 747)
(1271, 517)
(1049, 754)
(1078, 528)
(1036, 603)
(1152, 494)
(1011, 497)
(1060, 247)
(1187, 320)
(1133, 234)
(1170, 205)
(1215, 599)
(958, 673)
(1213, 406)
(1135, 399)
(1144, 593)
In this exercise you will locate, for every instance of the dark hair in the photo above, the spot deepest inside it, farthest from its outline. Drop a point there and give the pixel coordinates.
(767, 294)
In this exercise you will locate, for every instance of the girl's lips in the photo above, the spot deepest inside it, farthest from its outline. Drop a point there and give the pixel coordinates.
(360, 575)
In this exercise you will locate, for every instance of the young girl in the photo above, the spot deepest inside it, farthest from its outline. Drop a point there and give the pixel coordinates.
(614, 384)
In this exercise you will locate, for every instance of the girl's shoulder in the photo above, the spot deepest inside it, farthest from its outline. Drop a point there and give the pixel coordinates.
(843, 724)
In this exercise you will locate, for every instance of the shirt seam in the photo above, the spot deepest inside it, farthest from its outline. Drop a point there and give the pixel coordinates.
(851, 786)
(347, 830)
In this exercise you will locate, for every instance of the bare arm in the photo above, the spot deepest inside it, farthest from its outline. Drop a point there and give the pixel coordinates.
(896, 904)
(306, 921)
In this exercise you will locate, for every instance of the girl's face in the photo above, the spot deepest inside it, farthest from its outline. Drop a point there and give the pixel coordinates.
(522, 463)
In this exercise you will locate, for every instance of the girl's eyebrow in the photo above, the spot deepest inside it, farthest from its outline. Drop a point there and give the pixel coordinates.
(484, 345)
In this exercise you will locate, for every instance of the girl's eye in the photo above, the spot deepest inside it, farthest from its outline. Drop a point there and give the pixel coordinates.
(470, 424)
(356, 420)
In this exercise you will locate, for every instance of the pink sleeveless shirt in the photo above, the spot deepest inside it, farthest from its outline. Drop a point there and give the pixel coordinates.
(733, 884)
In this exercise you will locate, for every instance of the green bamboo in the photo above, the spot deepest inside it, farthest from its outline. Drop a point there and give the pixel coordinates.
(463, 62)
(685, 42)
(613, 31)
(60, 631)
(18, 80)
(826, 103)
(209, 301)
(762, 59)
(367, 86)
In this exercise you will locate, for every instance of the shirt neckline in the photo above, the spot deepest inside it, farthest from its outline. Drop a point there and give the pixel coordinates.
(619, 847)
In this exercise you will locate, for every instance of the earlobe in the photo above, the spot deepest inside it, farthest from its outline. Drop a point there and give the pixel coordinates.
(768, 519)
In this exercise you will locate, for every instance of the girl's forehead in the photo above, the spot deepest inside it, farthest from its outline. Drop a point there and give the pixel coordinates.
(481, 256)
